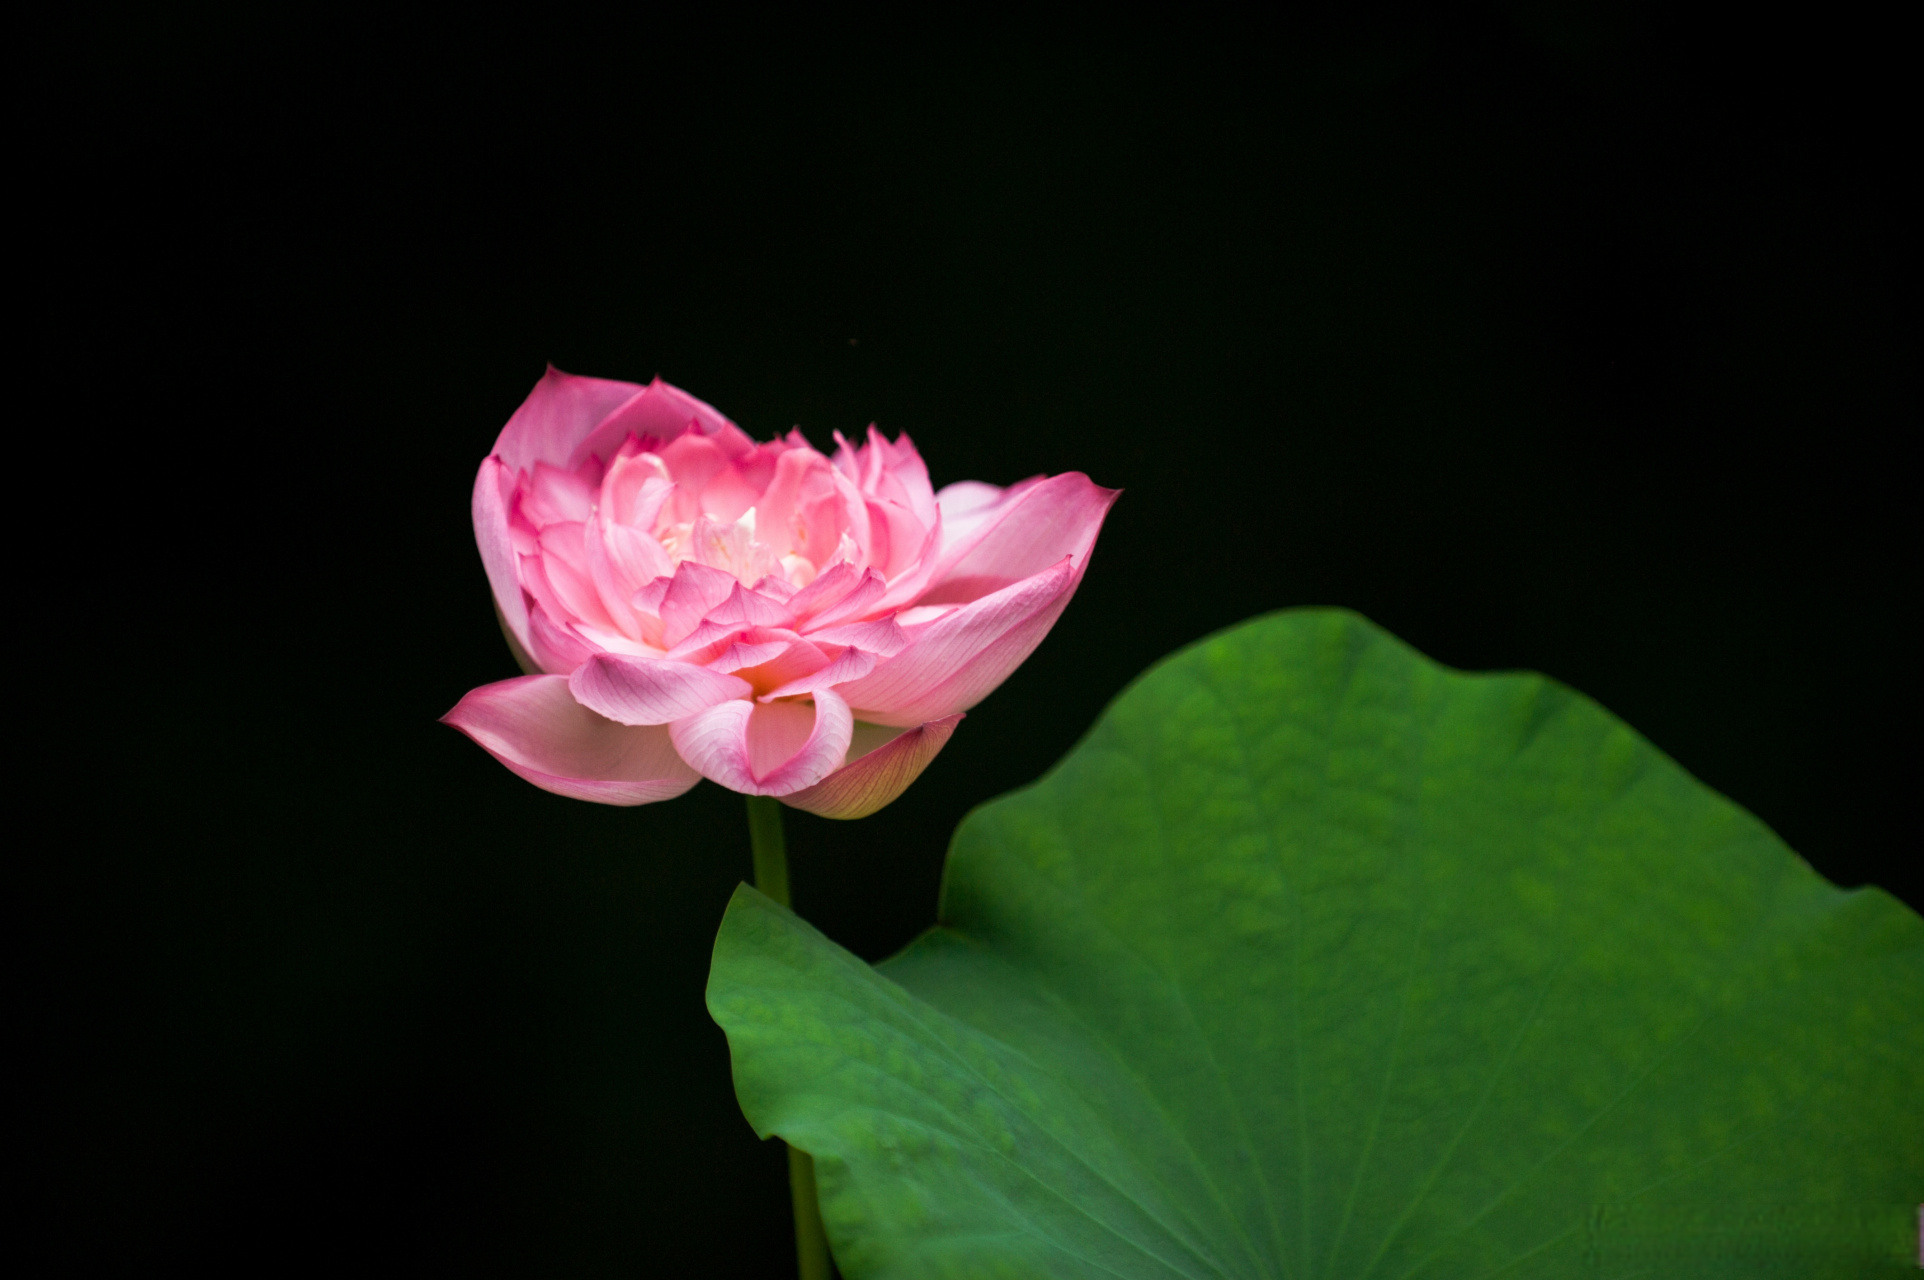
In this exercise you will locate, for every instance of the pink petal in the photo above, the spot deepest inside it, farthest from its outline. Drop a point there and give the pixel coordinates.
(705, 643)
(744, 654)
(866, 597)
(907, 476)
(533, 725)
(958, 660)
(564, 559)
(767, 749)
(898, 537)
(921, 615)
(730, 492)
(694, 591)
(492, 484)
(534, 580)
(874, 777)
(853, 664)
(825, 590)
(776, 588)
(555, 647)
(800, 511)
(883, 637)
(889, 473)
(692, 462)
(657, 412)
(650, 690)
(648, 599)
(750, 608)
(730, 546)
(854, 515)
(522, 658)
(550, 495)
(558, 415)
(917, 573)
(879, 541)
(633, 490)
(601, 640)
(621, 561)
(769, 659)
(968, 504)
(1023, 536)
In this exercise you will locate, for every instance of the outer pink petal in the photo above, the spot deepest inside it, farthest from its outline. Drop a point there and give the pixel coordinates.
(533, 725)
(958, 660)
(649, 690)
(522, 658)
(491, 488)
(658, 410)
(760, 749)
(872, 779)
(558, 415)
(967, 505)
(1023, 536)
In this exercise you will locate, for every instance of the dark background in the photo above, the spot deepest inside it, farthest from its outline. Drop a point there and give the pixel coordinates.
(1550, 337)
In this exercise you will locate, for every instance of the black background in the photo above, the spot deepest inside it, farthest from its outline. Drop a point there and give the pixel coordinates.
(1548, 337)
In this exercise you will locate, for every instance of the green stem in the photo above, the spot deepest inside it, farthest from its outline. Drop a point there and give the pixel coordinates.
(771, 877)
(811, 1242)
(771, 850)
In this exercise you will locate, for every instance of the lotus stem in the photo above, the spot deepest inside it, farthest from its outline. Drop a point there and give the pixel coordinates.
(771, 877)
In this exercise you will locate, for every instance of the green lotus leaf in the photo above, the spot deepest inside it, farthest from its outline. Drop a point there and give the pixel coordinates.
(1317, 959)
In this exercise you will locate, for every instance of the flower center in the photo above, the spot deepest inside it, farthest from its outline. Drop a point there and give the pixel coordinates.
(732, 547)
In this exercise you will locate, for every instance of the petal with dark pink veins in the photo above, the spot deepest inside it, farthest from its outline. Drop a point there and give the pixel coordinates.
(853, 664)
(534, 726)
(863, 599)
(954, 662)
(692, 593)
(883, 637)
(748, 607)
(650, 690)
(882, 762)
(1021, 537)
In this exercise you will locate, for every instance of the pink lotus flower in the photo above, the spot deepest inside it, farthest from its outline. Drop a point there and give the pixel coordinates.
(691, 604)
